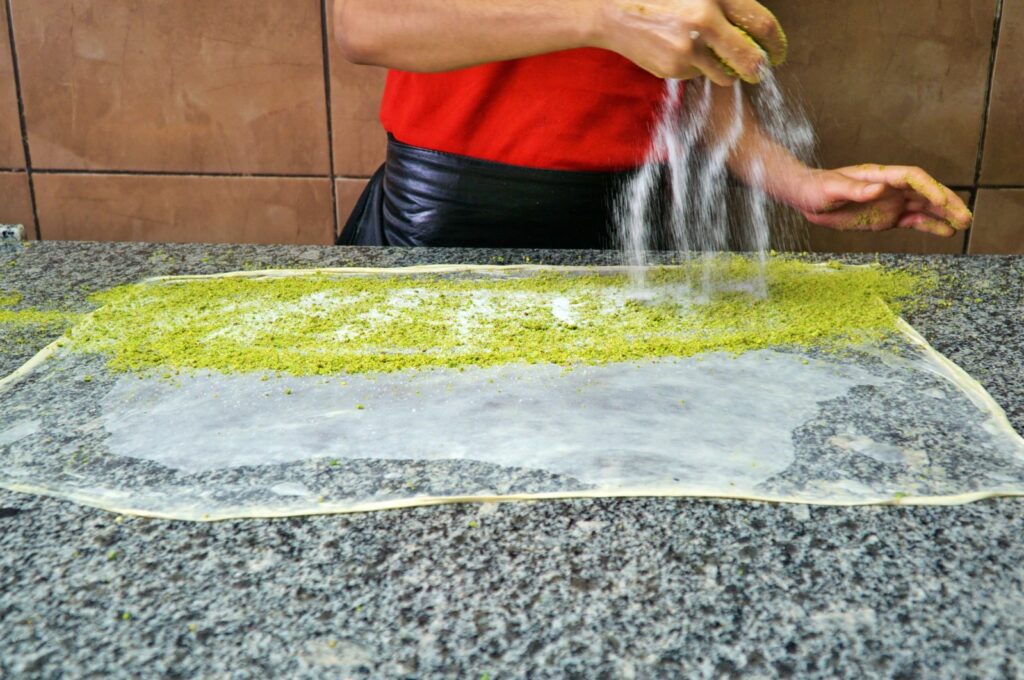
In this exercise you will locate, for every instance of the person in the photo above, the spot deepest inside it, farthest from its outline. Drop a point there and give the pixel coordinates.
(510, 122)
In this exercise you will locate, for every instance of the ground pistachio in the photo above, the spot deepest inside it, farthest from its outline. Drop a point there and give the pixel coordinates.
(323, 324)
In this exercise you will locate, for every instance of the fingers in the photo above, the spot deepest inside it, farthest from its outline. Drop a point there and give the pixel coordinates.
(840, 189)
(740, 55)
(916, 216)
(915, 204)
(926, 223)
(823, 191)
(877, 214)
(940, 200)
(847, 222)
(679, 74)
(756, 20)
(873, 200)
(830, 220)
(711, 66)
(844, 221)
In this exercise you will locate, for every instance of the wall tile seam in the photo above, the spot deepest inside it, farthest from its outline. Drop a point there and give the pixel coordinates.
(37, 229)
(325, 44)
(997, 25)
(355, 178)
(215, 175)
(161, 173)
(993, 53)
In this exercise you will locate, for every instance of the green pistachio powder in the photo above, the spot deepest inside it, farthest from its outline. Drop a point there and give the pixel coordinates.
(321, 324)
(44, 319)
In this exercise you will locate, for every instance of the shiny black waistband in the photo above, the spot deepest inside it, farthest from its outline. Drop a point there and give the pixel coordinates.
(422, 197)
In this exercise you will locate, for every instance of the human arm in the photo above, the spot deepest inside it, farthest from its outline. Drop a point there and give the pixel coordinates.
(863, 197)
(670, 38)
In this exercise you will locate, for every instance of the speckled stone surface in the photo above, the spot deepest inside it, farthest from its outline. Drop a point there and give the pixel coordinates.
(605, 588)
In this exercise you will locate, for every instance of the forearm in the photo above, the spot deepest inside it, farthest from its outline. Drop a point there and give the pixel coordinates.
(756, 159)
(760, 161)
(441, 35)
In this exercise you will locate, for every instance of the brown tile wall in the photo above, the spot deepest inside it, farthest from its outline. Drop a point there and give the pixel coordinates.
(225, 86)
(1000, 211)
(16, 204)
(348, 192)
(893, 82)
(1004, 143)
(210, 120)
(12, 151)
(906, 83)
(185, 208)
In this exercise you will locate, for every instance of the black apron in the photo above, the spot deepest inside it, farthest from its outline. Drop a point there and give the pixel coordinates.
(421, 197)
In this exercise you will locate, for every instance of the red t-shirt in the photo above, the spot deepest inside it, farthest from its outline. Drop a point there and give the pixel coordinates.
(583, 109)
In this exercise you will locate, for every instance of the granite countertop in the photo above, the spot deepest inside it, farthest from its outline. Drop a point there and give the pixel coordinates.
(590, 588)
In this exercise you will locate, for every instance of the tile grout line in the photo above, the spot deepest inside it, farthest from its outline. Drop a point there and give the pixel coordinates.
(172, 173)
(22, 120)
(325, 40)
(271, 175)
(996, 27)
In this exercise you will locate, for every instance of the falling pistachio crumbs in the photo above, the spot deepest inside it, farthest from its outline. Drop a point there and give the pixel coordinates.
(320, 324)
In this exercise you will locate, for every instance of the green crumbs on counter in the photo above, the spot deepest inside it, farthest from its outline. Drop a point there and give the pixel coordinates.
(10, 299)
(322, 324)
(41, 320)
(36, 317)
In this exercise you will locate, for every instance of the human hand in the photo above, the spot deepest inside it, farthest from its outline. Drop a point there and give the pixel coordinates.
(877, 198)
(685, 39)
